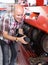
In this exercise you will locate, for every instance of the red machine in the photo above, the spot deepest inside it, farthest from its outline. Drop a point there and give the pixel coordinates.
(39, 2)
(36, 20)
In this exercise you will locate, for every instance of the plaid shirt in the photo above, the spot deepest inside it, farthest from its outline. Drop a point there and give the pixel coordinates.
(9, 25)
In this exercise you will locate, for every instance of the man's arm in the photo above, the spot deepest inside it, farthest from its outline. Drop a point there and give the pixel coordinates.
(9, 37)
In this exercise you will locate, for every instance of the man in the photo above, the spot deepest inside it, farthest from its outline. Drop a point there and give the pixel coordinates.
(10, 25)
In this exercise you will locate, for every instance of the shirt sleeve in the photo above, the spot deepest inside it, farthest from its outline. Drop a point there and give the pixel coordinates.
(6, 24)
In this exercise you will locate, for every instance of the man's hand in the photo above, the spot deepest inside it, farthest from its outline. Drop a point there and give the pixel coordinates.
(21, 39)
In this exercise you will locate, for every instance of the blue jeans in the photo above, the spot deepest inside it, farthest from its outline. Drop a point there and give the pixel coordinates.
(5, 51)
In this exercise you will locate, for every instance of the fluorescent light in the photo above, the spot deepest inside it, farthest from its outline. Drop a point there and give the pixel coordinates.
(7, 1)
